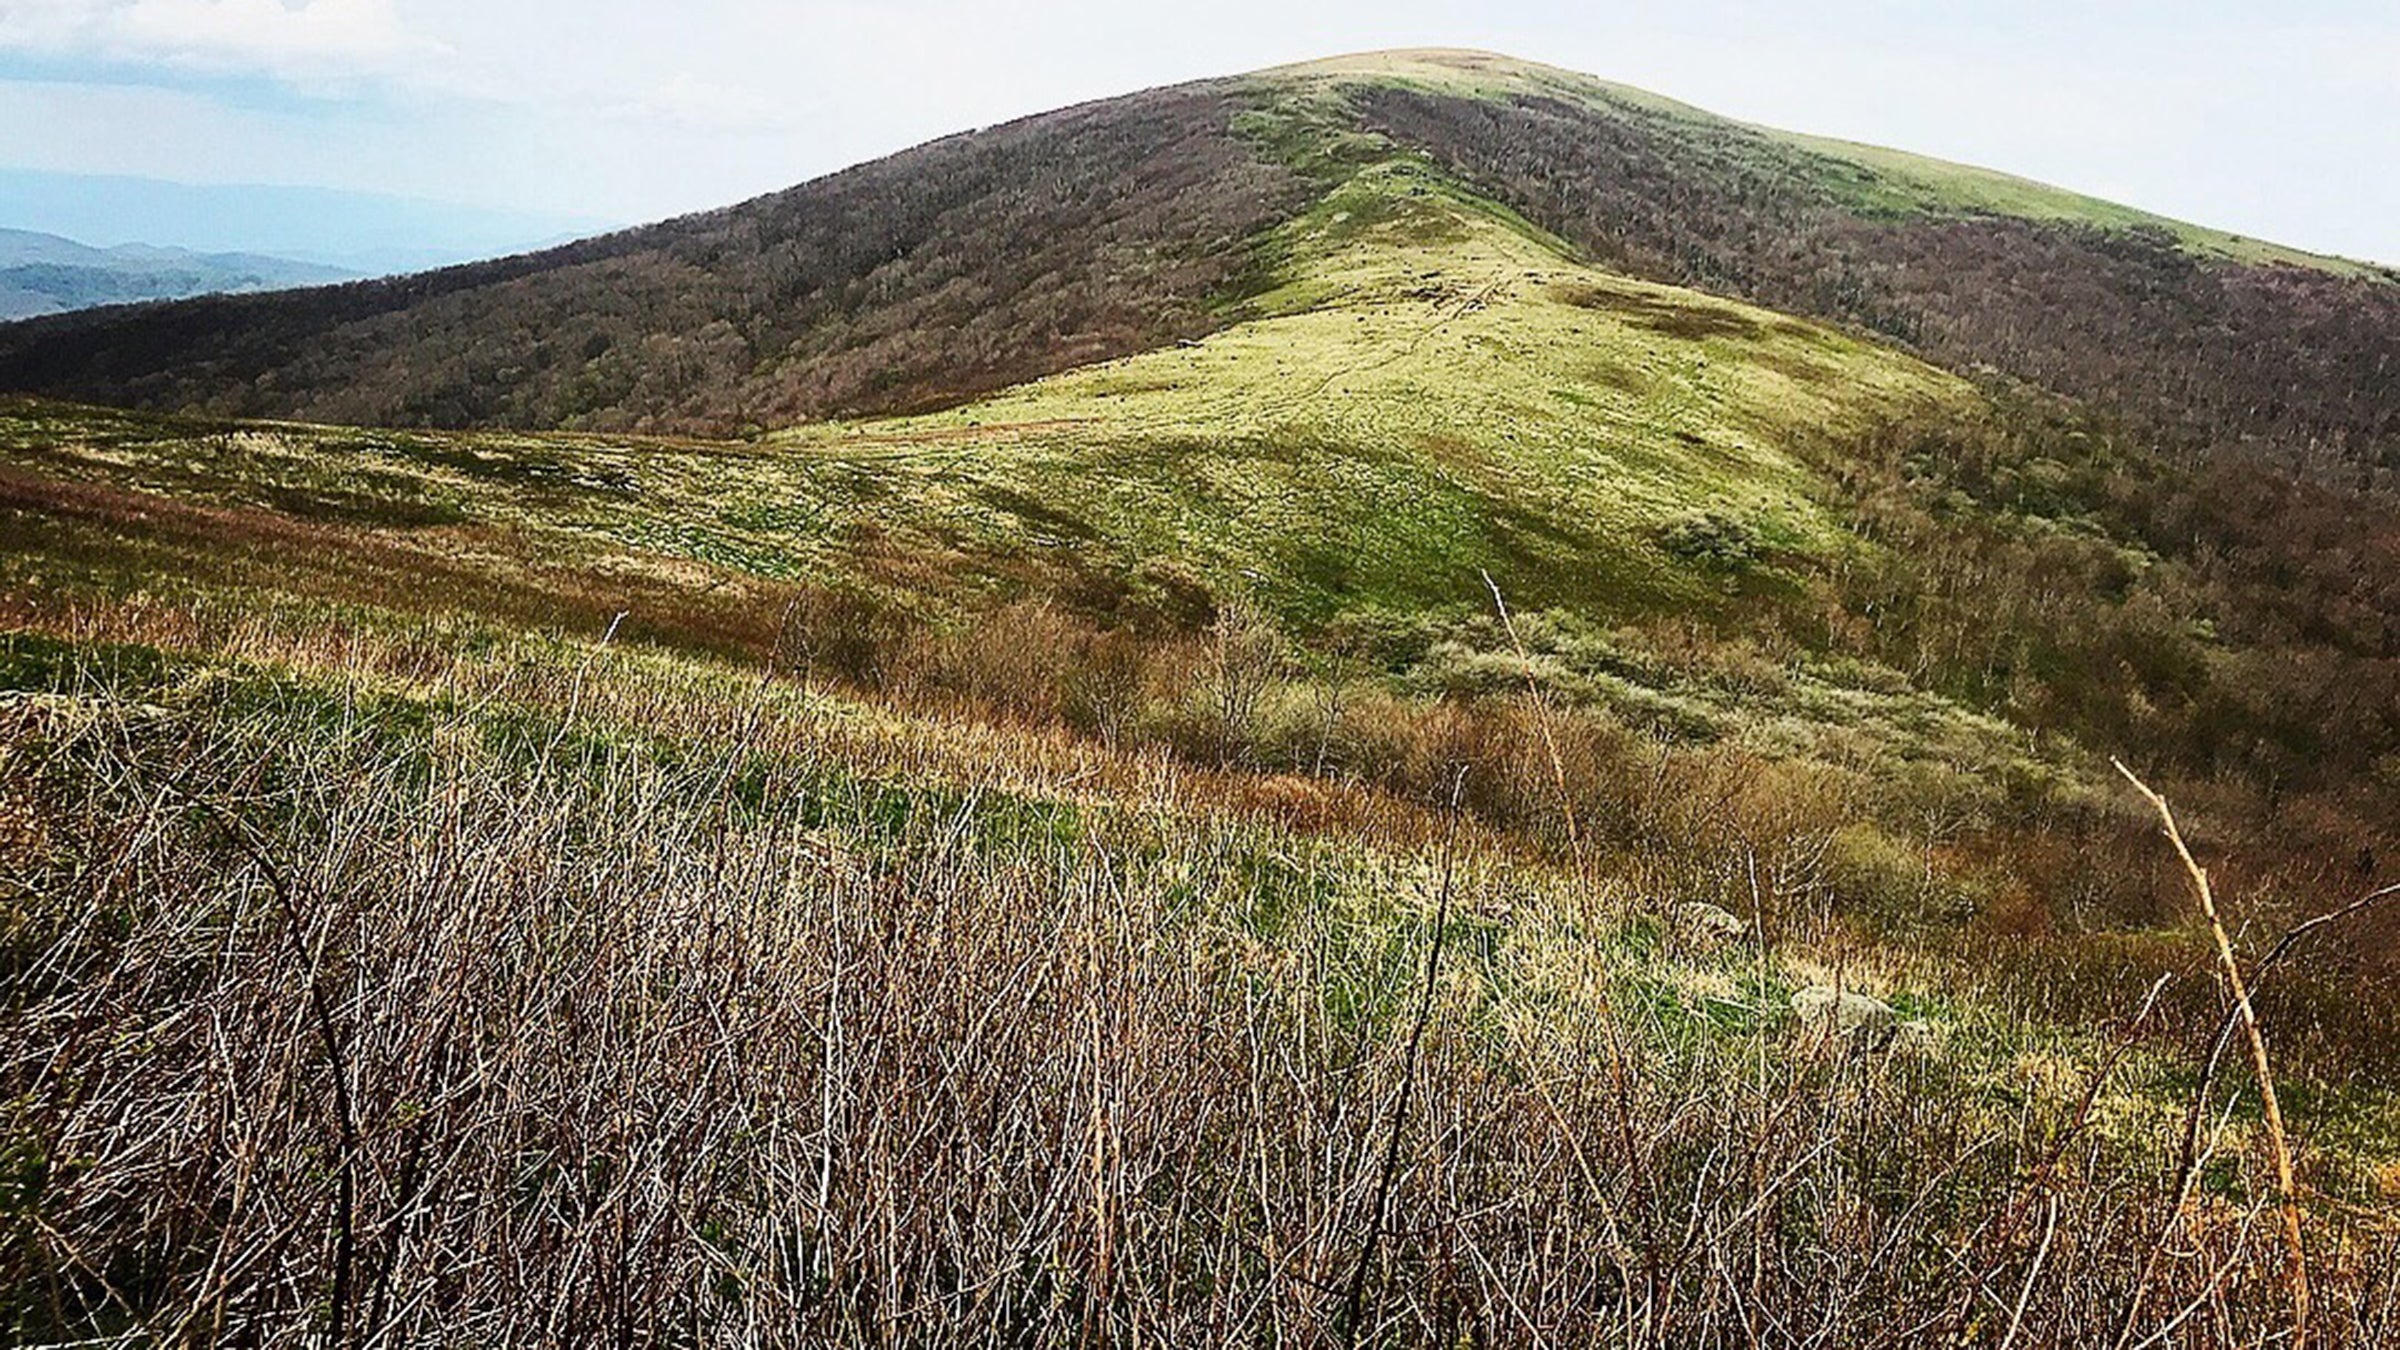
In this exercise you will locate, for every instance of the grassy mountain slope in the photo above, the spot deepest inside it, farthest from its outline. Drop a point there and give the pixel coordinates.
(1423, 397)
(1404, 386)
(1432, 389)
(2189, 332)
(1419, 387)
(663, 882)
(987, 259)
(1875, 179)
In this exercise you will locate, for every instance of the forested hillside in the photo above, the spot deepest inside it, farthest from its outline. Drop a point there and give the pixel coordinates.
(997, 256)
(2301, 357)
(959, 267)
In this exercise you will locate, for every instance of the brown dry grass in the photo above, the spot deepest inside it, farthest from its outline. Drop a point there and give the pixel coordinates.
(707, 1046)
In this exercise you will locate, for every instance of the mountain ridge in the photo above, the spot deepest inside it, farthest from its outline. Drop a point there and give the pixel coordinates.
(363, 233)
(989, 258)
(1960, 182)
(44, 273)
(1420, 629)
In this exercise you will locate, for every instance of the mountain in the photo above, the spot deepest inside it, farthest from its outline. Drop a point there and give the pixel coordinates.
(45, 274)
(1356, 341)
(986, 259)
(362, 233)
(965, 265)
(1175, 671)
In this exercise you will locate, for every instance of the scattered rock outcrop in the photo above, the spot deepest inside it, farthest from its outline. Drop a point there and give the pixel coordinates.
(1708, 926)
(1843, 1012)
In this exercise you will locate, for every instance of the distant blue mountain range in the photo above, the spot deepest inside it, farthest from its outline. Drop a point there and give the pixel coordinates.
(352, 233)
(45, 274)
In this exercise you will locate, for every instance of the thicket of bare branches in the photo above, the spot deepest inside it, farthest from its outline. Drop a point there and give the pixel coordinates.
(386, 1038)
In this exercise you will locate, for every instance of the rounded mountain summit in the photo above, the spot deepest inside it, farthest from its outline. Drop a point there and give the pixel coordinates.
(1375, 190)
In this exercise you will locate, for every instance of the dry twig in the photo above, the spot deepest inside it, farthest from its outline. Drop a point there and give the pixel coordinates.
(2286, 1184)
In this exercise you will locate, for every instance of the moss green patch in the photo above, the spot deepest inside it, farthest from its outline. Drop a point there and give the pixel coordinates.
(1433, 390)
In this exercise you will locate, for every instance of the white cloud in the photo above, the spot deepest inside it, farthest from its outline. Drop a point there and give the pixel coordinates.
(46, 25)
(306, 41)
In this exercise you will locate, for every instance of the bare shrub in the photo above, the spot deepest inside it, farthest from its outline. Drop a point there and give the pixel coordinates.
(1104, 686)
(1242, 657)
(1016, 659)
(843, 632)
(511, 1030)
(1207, 693)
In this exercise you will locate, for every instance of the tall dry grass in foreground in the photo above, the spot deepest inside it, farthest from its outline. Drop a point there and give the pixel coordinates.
(375, 1036)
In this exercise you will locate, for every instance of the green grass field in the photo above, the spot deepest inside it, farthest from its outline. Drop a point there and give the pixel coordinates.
(1432, 390)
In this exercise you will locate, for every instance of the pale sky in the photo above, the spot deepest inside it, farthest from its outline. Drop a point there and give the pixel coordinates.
(2280, 119)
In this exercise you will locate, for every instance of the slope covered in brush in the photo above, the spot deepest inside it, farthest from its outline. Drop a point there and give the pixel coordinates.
(964, 265)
